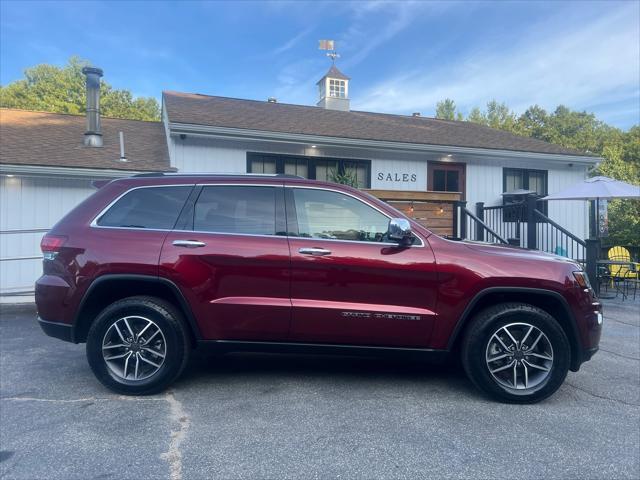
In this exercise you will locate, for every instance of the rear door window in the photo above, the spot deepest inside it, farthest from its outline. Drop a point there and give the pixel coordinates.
(243, 210)
(148, 207)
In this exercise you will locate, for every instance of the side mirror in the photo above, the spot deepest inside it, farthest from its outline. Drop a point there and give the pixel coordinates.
(400, 230)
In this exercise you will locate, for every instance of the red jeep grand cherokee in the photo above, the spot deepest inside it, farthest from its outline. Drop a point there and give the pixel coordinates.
(151, 266)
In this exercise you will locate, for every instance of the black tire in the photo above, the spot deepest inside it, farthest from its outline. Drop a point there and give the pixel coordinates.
(176, 339)
(476, 344)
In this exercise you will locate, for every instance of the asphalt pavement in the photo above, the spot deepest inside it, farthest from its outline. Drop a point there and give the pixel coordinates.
(269, 416)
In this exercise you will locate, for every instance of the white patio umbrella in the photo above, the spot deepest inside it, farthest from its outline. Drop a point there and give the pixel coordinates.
(597, 188)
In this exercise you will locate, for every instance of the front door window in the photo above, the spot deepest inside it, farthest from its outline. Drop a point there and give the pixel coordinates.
(335, 216)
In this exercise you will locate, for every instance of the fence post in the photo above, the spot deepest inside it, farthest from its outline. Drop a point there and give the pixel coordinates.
(593, 253)
(531, 222)
(455, 229)
(462, 219)
(480, 215)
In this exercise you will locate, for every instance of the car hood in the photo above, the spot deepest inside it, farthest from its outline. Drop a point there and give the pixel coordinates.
(516, 252)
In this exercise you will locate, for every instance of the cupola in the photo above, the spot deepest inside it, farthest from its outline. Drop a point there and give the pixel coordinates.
(333, 90)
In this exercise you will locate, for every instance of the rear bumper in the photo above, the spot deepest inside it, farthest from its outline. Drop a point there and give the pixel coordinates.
(51, 295)
(57, 330)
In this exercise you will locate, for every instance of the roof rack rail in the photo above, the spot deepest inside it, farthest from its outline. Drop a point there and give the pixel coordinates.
(211, 174)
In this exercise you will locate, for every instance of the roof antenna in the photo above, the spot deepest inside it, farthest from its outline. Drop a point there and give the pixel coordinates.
(122, 157)
(329, 45)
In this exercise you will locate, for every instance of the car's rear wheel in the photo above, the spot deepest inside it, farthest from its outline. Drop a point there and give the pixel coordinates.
(516, 353)
(138, 345)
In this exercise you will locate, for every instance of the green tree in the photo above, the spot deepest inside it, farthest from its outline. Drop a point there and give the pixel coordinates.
(533, 122)
(62, 90)
(446, 110)
(621, 152)
(499, 116)
(579, 130)
(476, 116)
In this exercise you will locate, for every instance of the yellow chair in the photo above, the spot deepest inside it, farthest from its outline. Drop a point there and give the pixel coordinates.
(621, 254)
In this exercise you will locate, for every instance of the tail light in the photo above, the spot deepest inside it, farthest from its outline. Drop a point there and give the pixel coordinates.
(51, 244)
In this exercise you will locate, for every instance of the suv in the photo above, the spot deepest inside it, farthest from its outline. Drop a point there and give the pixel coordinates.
(151, 266)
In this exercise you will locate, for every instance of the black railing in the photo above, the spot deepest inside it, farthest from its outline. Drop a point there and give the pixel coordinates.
(520, 224)
(505, 220)
(554, 238)
(476, 229)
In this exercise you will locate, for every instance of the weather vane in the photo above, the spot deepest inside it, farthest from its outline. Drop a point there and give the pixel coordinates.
(329, 45)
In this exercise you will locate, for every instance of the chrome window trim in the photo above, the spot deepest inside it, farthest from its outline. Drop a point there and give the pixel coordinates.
(94, 223)
(329, 189)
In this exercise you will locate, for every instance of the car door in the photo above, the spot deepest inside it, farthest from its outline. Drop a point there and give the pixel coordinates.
(229, 255)
(349, 284)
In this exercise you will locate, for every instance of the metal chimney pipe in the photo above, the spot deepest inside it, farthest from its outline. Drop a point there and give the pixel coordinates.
(93, 135)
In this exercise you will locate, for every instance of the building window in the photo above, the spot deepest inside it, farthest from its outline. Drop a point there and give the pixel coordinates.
(515, 179)
(325, 169)
(337, 88)
(521, 179)
(262, 165)
(314, 168)
(446, 177)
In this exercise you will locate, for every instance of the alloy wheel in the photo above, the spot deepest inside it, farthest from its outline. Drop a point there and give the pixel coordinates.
(134, 348)
(519, 356)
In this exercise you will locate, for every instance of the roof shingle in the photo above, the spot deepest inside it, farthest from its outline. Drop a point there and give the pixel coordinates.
(54, 139)
(199, 109)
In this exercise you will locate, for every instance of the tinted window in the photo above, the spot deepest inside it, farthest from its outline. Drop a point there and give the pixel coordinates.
(439, 182)
(230, 209)
(151, 207)
(333, 215)
(446, 181)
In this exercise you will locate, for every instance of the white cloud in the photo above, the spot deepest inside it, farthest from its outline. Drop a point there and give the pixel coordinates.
(596, 63)
(291, 42)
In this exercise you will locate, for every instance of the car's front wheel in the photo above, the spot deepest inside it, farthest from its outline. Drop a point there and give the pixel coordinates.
(138, 345)
(516, 353)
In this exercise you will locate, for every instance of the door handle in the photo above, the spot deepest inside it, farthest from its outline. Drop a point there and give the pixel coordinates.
(188, 243)
(315, 251)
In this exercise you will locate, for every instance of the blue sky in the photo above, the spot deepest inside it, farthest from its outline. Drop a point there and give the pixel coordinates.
(402, 56)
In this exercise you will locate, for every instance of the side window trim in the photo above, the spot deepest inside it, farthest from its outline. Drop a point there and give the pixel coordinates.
(292, 222)
(292, 216)
(185, 219)
(96, 219)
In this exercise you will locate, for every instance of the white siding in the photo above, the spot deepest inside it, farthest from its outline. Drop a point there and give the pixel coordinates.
(202, 155)
(31, 203)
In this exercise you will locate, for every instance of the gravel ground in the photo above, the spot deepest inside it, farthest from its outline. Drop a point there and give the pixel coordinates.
(269, 416)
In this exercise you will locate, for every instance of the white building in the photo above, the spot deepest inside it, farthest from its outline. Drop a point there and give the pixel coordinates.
(45, 168)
